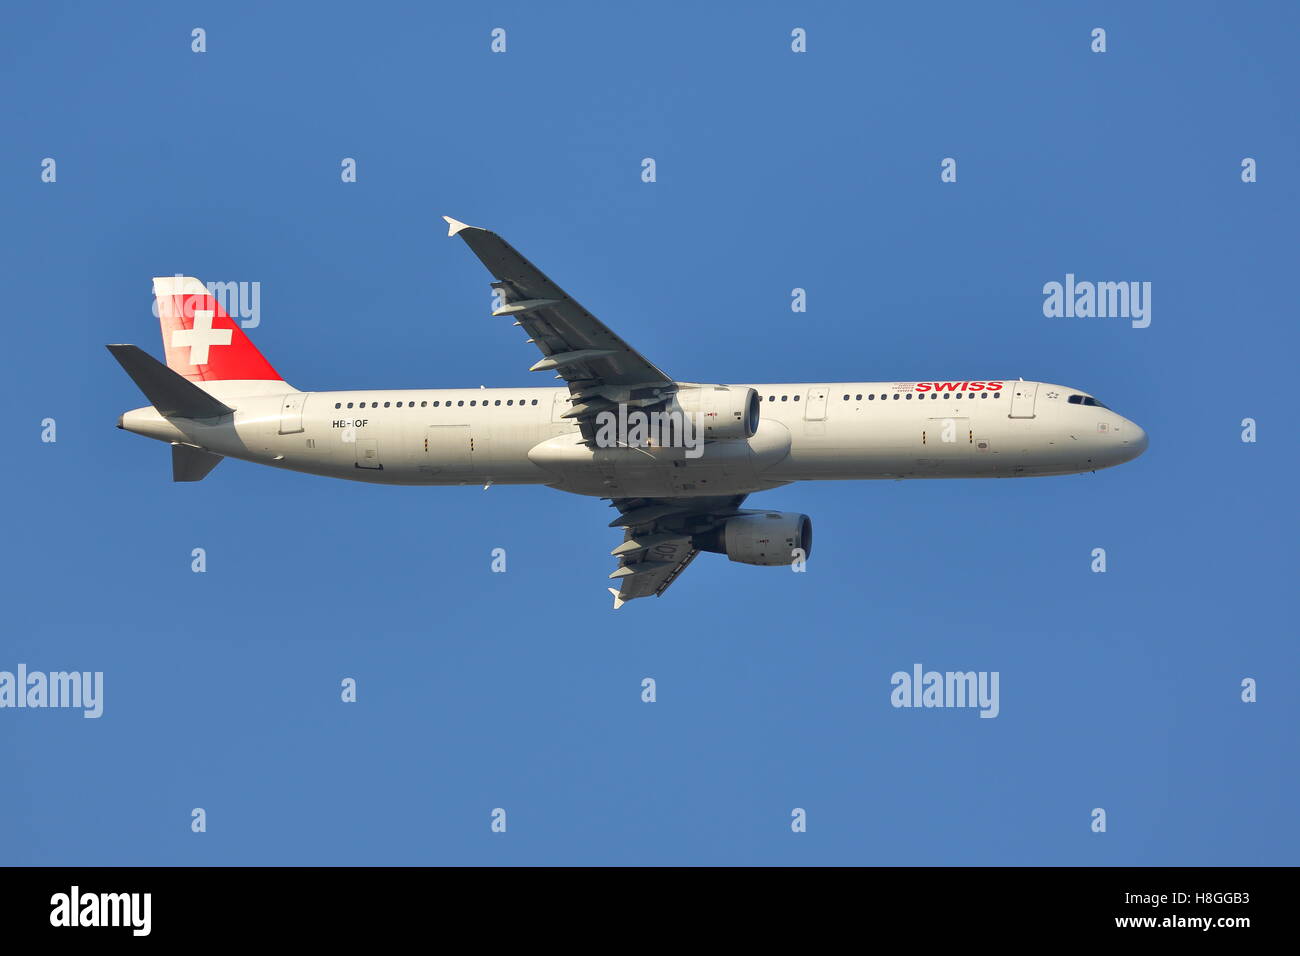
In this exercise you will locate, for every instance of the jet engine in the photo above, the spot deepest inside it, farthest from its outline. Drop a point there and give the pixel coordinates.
(723, 411)
(763, 538)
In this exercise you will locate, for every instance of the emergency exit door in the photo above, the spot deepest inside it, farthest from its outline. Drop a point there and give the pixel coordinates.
(447, 448)
(560, 406)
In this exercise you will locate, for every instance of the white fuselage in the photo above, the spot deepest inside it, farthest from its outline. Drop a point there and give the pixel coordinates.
(808, 431)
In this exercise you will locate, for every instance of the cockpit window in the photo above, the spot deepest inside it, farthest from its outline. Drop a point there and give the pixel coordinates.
(1085, 400)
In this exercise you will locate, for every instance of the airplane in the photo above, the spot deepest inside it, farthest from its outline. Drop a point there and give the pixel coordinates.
(676, 460)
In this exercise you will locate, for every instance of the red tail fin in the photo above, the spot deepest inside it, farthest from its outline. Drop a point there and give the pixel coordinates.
(201, 341)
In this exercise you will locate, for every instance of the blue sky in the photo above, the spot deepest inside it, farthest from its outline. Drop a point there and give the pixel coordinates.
(775, 170)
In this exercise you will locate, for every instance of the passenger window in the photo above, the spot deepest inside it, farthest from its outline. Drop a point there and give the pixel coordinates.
(534, 401)
(796, 398)
(909, 396)
(997, 394)
(895, 396)
(460, 403)
(771, 398)
(785, 397)
(497, 402)
(846, 398)
(510, 401)
(858, 399)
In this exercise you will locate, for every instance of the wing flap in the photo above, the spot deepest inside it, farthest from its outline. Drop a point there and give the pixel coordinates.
(658, 540)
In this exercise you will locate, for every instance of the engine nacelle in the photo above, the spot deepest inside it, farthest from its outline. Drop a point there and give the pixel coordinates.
(767, 538)
(723, 411)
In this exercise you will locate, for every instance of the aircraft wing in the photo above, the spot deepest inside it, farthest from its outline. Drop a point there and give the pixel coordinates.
(602, 370)
(656, 546)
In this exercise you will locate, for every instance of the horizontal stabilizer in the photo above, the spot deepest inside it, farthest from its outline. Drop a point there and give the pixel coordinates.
(192, 464)
(171, 393)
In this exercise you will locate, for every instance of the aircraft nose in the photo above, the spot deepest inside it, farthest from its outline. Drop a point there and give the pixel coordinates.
(1135, 440)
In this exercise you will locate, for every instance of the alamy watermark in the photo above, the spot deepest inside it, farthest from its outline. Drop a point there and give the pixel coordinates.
(637, 429)
(1103, 300)
(922, 688)
(38, 689)
(76, 908)
(240, 300)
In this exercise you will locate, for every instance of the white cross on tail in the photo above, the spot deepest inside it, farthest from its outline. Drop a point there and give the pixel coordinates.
(201, 337)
